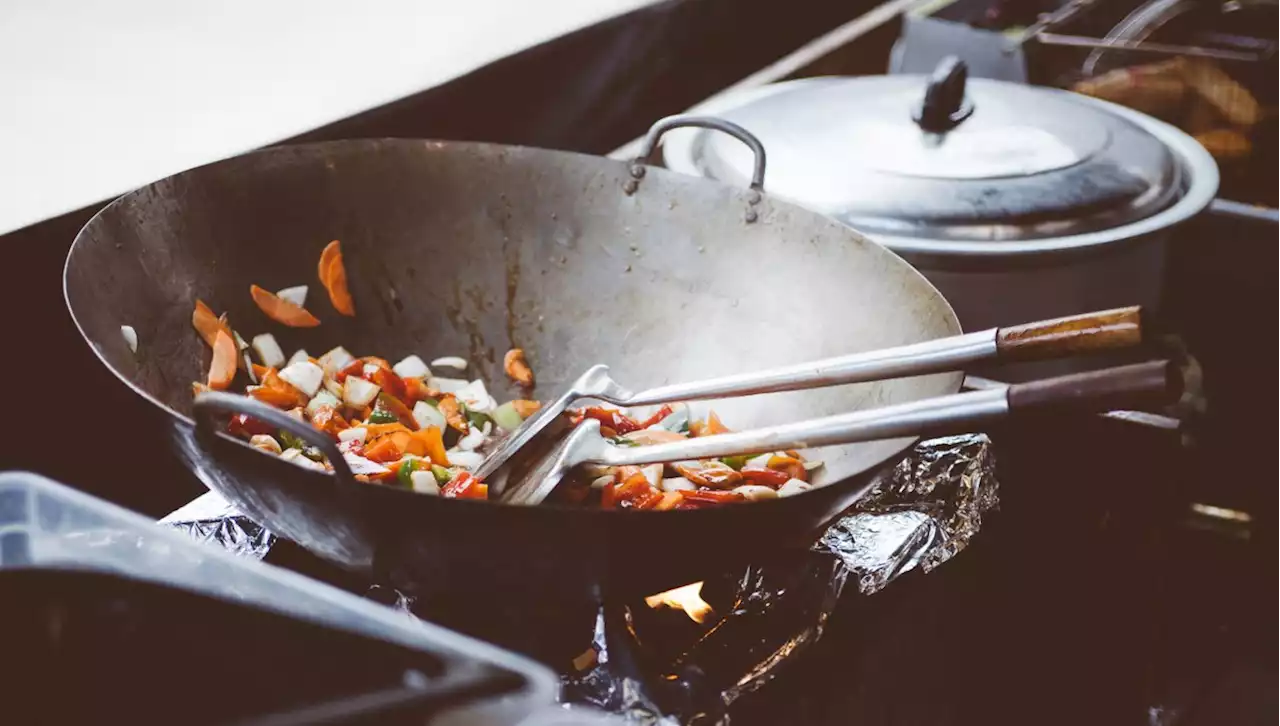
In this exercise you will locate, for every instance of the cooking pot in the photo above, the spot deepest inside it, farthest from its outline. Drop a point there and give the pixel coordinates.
(1018, 202)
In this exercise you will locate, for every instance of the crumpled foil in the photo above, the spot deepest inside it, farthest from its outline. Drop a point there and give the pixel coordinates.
(921, 514)
(656, 666)
(210, 518)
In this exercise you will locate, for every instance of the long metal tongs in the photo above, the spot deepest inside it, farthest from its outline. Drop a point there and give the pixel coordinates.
(1055, 338)
(1032, 341)
(1157, 381)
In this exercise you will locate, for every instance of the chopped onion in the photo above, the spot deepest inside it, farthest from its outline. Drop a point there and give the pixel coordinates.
(358, 393)
(601, 482)
(506, 416)
(370, 369)
(411, 367)
(597, 470)
(303, 375)
(268, 350)
(811, 465)
(295, 456)
(465, 459)
(359, 433)
(240, 342)
(472, 440)
(336, 359)
(301, 354)
(361, 465)
(427, 415)
(476, 396)
(447, 385)
(678, 419)
(678, 483)
(296, 295)
(451, 361)
(755, 492)
(653, 474)
(424, 482)
(759, 462)
(333, 387)
(323, 398)
(265, 443)
(130, 337)
(794, 486)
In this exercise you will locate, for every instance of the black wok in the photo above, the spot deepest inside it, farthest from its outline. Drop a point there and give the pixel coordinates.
(470, 249)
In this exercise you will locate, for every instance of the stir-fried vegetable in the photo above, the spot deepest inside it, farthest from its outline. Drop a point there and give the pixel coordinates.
(517, 368)
(402, 426)
(682, 484)
(282, 311)
(333, 275)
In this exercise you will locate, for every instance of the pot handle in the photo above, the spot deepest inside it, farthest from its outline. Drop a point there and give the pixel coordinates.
(1241, 211)
(703, 122)
(210, 402)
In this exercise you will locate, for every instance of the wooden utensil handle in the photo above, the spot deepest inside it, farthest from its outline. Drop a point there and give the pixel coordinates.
(1105, 330)
(1155, 382)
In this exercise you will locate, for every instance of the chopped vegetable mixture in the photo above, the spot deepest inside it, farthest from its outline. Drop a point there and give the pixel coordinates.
(401, 425)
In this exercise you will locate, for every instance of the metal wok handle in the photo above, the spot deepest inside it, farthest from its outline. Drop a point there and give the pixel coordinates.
(211, 402)
(704, 122)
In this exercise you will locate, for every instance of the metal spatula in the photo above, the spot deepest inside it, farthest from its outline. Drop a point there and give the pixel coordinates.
(1056, 338)
(1093, 391)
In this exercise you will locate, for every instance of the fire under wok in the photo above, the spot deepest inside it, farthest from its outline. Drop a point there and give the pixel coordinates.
(470, 249)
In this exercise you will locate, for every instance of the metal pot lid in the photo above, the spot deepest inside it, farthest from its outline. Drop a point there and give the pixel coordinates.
(943, 157)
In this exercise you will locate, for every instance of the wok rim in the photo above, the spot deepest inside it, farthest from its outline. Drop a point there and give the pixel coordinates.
(869, 472)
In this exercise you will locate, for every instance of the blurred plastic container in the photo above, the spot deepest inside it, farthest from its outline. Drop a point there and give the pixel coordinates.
(123, 619)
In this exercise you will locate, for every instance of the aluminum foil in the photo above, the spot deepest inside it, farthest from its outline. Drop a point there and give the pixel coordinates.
(920, 515)
(210, 518)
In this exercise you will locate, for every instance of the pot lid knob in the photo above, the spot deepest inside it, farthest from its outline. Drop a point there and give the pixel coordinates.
(945, 105)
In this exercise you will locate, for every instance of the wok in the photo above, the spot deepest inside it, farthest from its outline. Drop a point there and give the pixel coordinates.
(470, 249)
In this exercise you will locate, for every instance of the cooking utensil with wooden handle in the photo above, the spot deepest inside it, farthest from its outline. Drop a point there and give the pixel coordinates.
(1156, 381)
(1061, 337)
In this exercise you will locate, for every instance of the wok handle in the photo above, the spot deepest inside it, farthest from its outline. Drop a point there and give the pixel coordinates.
(1032, 341)
(1060, 337)
(1094, 391)
(1141, 384)
(210, 402)
(705, 122)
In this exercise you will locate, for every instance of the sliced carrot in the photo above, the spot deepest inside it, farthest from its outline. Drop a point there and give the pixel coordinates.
(330, 251)
(669, 501)
(714, 425)
(276, 391)
(433, 442)
(272, 396)
(405, 442)
(333, 275)
(282, 311)
(382, 450)
(415, 390)
(223, 368)
(208, 324)
(376, 431)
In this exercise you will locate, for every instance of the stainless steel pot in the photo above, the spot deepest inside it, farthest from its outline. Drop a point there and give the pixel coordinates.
(1017, 202)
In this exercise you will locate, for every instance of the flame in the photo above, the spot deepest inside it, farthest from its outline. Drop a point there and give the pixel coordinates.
(687, 598)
